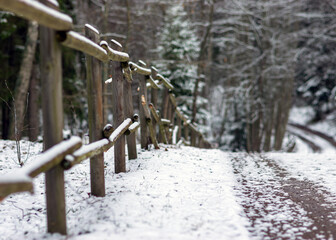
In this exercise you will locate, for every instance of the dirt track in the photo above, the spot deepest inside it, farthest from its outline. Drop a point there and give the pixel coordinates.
(280, 206)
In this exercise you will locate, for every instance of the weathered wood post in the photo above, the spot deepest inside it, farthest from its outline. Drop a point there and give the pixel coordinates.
(186, 131)
(128, 101)
(143, 123)
(118, 111)
(193, 137)
(154, 95)
(201, 142)
(154, 91)
(149, 122)
(161, 126)
(95, 114)
(171, 110)
(52, 107)
(179, 125)
(165, 103)
(106, 92)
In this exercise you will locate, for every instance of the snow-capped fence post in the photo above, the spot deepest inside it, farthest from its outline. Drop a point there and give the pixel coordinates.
(149, 122)
(172, 108)
(143, 123)
(52, 106)
(118, 110)
(95, 114)
(165, 103)
(154, 95)
(142, 92)
(158, 120)
(154, 91)
(129, 112)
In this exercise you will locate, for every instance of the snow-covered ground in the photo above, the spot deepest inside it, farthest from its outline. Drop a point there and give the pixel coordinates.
(303, 115)
(182, 193)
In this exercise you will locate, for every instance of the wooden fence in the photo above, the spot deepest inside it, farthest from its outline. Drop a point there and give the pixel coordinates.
(59, 155)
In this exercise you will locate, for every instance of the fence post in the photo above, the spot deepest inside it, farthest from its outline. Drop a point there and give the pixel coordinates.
(52, 106)
(118, 111)
(157, 118)
(171, 116)
(186, 131)
(95, 114)
(193, 137)
(179, 124)
(165, 103)
(129, 112)
(143, 123)
(147, 113)
(154, 96)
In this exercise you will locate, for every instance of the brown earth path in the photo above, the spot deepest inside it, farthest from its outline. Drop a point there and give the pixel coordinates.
(279, 205)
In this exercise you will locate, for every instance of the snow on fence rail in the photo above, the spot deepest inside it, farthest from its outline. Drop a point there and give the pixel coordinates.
(61, 155)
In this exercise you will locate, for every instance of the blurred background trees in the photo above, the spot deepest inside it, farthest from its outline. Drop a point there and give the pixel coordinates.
(238, 66)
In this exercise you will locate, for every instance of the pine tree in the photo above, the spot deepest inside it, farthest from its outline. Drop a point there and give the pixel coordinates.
(178, 49)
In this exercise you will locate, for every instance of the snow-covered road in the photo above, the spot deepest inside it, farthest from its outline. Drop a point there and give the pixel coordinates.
(185, 193)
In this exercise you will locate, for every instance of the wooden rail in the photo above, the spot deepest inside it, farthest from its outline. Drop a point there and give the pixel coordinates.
(38, 12)
(62, 155)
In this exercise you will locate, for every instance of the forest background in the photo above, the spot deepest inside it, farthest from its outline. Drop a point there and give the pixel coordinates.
(238, 66)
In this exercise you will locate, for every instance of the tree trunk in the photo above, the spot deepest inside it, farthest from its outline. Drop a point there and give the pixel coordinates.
(129, 26)
(33, 106)
(201, 66)
(22, 85)
(283, 112)
(269, 128)
(5, 116)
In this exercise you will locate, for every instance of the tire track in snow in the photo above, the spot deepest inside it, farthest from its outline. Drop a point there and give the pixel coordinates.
(278, 205)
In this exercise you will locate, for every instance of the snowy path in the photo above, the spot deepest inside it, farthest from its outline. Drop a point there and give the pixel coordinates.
(183, 193)
(281, 205)
(186, 193)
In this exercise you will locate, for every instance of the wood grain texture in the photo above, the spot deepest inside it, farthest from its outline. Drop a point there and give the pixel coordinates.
(95, 115)
(52, 107)
(118, 116)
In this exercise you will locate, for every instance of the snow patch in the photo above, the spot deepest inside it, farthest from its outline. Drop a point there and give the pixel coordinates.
(92, 28)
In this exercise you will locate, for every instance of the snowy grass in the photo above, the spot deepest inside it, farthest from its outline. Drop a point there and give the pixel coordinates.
(182, 193)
